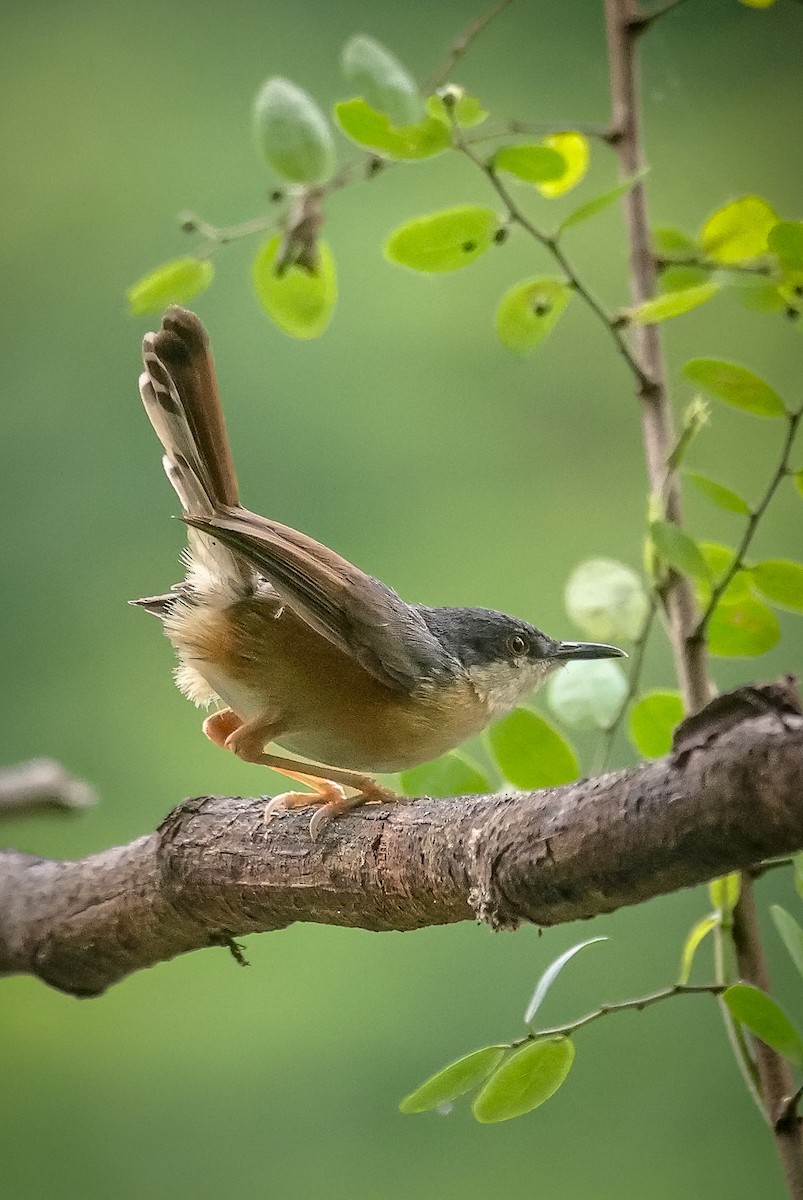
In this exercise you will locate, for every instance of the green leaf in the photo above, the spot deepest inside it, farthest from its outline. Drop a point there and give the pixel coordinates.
(786, 240)
(449, 775)
(672, 304)
(530, 753)
(766, 1019)
(529, 311)
(682, 276)
(443, 241)
(374, 131)
(672, 243)
(292, 133)
(696, 935)
(590, 209)
(525, 1080)
(534, 163)
(781, 581)
(574, 150)
(299, 302)
(724, 892)
(550, 975)
(718, 560)
(791, 934)
(652, 722)
(175, 282)
(384, 82)
(738, 231)
(757, 3)
(465, 111)
(754, 292)
(720, 495)
(454, 1081)
(742, 628)
(587, 695)
(606, 600)
(735, 385)
(678, 549)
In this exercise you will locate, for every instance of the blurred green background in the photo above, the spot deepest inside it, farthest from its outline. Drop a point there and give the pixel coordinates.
(409, 440)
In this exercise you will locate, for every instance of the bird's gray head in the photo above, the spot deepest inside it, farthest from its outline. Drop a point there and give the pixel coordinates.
(504, 657)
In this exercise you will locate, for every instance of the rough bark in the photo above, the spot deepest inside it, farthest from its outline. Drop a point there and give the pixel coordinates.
(728, 796)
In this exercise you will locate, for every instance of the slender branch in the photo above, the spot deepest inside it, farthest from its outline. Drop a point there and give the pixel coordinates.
(624, 21)
(780, 472)
(42, 783)
(636, 1005)
(643, 23)
(539, 128)
(461, 44)
(517, 217)
(722, 936)
(634, 679)
(656, 414)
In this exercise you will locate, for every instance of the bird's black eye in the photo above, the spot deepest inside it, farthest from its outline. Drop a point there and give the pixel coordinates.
(516, 645)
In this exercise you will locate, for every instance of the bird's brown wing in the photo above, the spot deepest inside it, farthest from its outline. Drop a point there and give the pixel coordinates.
(358, 614)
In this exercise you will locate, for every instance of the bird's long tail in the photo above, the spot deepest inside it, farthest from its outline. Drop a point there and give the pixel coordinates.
(179, 391)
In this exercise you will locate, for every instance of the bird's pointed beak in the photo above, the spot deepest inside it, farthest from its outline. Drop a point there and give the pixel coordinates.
(567, 651)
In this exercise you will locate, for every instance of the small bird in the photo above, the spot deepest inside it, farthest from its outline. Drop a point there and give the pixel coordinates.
(301, 648)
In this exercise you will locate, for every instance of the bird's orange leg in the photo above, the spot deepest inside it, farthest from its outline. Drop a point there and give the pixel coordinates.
(247, 739)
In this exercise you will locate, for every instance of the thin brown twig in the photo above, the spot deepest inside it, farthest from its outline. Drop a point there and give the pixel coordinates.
(461, 44)
(516, 216)
(780, 473)
(641, 1002)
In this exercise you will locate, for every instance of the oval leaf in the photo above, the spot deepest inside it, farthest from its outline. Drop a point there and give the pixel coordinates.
(452, 104)
(382, 80)
(652, 722)
(443, 241)
(718, 494)
(696, 935)
(455, 1080)
(534, 163)
(550, 975)
(449, 775)
(530, 753)
(672, 304)
(781, 581)
(600, 203)
(678, 549)
(724, 892)
(791, 934)
(587, 695)
(766, 1019)
(299, 302)
(742, 629)
(175, 282)
(739, 230)
(374, 131)
(672, 243)
(606, 599)
(719, 559)
(529, 311)
(525, 1080)
(573, 149)
(681, 276)
(292, 133)
(735, 385)
(786, 240)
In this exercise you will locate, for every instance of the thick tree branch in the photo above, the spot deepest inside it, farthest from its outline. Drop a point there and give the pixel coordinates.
(728, 796)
